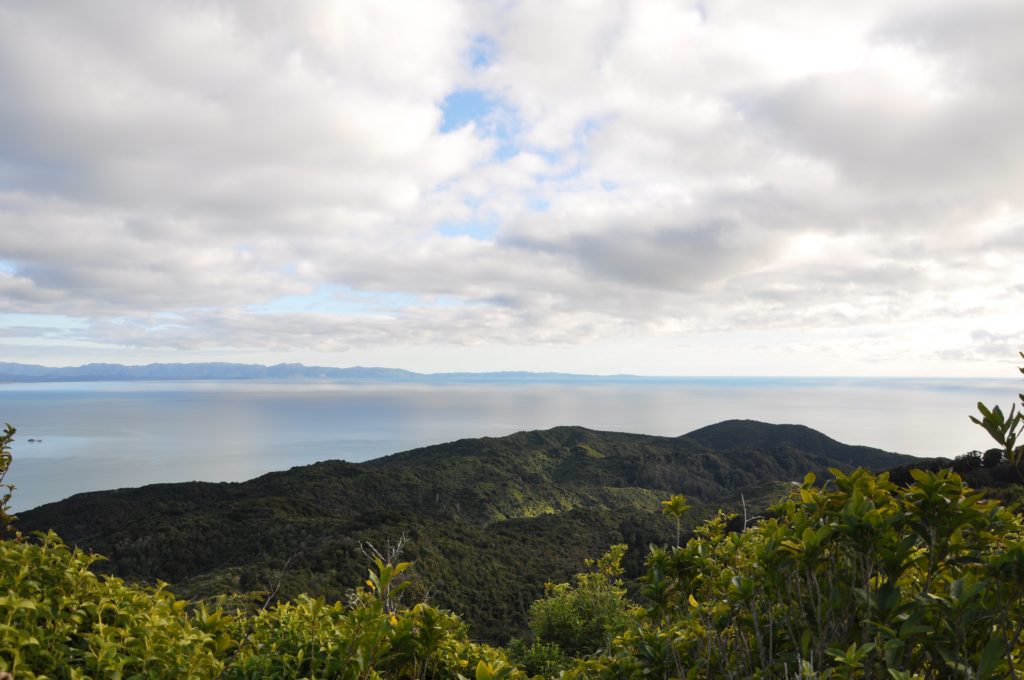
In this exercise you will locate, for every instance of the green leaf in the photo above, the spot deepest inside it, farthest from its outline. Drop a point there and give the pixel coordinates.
(484, 671)
(992, 657)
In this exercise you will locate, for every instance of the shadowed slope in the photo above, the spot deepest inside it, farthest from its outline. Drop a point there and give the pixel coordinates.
(746, 434)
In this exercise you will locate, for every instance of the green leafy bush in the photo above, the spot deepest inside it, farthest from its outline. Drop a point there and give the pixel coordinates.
(5, 489)
(1006, 429)
(58, 619)
(544, 659)
(583, 617)
(312, 639)
(859, 578)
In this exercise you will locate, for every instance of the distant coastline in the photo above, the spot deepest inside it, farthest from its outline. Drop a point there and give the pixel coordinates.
(11, 372)
(32, 373)
(16, 372)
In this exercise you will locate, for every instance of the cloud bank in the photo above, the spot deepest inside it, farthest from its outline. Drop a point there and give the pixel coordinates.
(599, 186)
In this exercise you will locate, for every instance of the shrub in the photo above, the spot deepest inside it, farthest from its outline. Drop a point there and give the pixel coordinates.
(5, 489)
(856, 579)
(58, 619)
(1006, 429)
(583, 617)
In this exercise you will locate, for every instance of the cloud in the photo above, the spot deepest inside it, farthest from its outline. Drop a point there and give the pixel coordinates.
(988, 346)
(207, 176)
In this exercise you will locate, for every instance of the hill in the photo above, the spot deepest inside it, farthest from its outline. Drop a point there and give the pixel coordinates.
(488, 520)
(738, 434)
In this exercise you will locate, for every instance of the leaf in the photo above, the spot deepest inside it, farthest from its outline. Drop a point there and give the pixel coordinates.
(892, 652)
(805, 643)
(991, 656)
(919, 475)
(484, 671)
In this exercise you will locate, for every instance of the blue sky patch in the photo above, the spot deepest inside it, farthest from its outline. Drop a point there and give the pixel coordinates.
(506, 149)
(482, 52)
(462, 107)
(493, 117)
(480, 229)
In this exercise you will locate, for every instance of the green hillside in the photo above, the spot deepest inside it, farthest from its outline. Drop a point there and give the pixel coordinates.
(745, 434)
(488, 521)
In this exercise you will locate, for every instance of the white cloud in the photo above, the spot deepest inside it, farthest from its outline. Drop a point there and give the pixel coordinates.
(176, 176)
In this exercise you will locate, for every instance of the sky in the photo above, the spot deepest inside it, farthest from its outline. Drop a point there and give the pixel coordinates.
(676, 188)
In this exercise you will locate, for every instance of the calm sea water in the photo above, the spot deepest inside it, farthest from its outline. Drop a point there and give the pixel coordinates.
(108, 434)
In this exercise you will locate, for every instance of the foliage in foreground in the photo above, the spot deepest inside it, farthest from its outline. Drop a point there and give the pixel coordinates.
(60, 620)
(858, 579)
(1006, 429)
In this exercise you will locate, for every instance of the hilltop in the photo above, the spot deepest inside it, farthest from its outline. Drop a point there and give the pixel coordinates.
(488, 520)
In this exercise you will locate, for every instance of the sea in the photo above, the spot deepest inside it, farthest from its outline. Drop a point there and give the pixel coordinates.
(91, 436)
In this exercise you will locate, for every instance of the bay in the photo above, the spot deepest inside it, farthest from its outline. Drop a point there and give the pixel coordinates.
(104, 435)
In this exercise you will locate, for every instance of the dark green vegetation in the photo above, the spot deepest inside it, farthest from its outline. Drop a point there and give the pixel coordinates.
(488, 521)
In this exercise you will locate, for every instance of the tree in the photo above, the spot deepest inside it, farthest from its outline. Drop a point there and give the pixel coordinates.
(582, 618)
(965, 462)
(1005, 429)
(992, 458)
(675, 507)
(6, 518)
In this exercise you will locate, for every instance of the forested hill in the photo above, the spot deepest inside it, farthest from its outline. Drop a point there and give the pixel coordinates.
(488, 520)
(740, 434)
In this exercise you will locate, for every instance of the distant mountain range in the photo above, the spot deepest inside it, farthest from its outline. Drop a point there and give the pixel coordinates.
(488, 520)
(14, 372)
